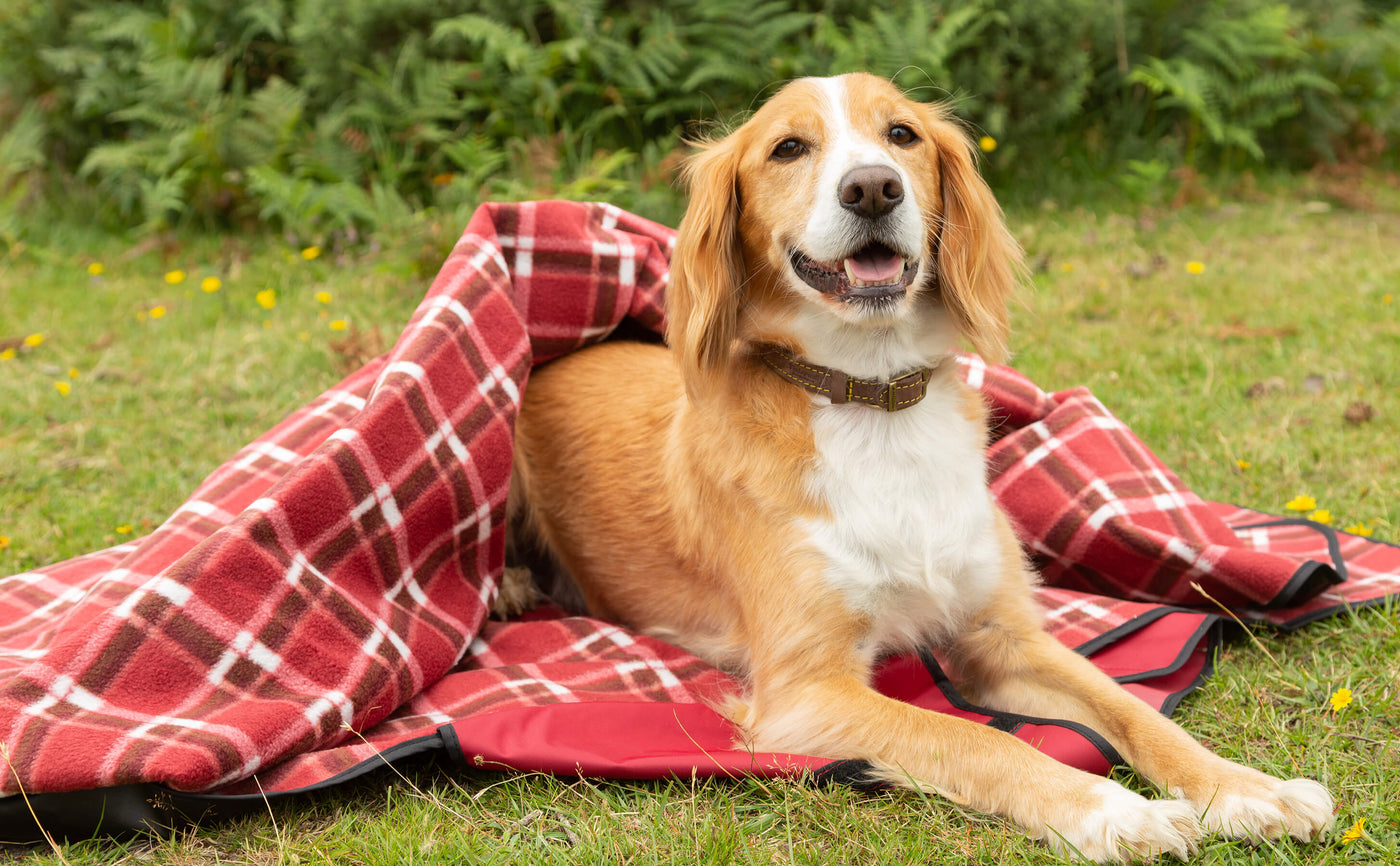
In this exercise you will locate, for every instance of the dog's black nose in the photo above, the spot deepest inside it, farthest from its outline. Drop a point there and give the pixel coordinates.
(871, 190)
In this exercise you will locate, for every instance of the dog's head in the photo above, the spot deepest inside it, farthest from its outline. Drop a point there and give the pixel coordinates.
(839, 195)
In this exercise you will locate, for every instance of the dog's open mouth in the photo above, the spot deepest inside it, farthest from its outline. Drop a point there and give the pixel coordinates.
(873, 273)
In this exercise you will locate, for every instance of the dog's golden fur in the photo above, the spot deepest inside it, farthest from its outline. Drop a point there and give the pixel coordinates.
(695, 495)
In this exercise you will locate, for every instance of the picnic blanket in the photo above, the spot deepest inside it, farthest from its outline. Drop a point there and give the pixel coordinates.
(319, 604)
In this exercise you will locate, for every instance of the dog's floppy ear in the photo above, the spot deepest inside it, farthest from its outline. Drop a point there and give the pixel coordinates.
(979, 263)
(702, 301)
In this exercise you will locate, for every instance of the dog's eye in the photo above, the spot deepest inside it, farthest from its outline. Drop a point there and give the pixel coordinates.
(789, 149)
(902, 135)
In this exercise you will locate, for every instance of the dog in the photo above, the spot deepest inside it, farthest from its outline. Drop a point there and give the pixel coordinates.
(796, 486)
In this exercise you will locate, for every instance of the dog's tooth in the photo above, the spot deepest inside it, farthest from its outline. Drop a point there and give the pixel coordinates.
(851, 278)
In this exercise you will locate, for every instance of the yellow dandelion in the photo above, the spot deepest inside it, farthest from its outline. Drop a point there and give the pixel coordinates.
(1067, 267)
(1195, 267)
(1388, 298)
(987, 143)
(310, 253)
(339, 325)
(323, 297)
(158, 311)
(4, 541)
(1360, 529)
(95, 269)
(1340, 699)
(62, 388)
(7, 354)
(72, 372)
(175, 278)
(34, 340)
(210, 285)
(1322, 515)
(1301, 502)
(124, 529)
(1243, 464)
(1354, 832)
(267, 299)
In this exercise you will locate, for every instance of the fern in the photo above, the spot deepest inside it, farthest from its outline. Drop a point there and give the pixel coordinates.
(273, 119)
(21, 147)
(320, 116)
(737, 37)
(474, 160)
(310, 208)
(496, 42)
(21, 156)
(1234, 79)
(916, 45)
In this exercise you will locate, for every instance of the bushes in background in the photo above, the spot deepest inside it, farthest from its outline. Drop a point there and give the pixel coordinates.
(318, 116)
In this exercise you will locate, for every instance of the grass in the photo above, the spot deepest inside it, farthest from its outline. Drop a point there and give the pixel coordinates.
(165, 381)
(1291, 320)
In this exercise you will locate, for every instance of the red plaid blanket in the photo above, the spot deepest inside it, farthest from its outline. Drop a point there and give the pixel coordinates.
(319, 603)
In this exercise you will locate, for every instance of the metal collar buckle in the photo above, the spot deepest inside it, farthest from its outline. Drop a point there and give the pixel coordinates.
(917, 377)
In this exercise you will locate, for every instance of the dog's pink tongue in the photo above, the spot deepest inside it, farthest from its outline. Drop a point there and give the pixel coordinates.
(875, 266)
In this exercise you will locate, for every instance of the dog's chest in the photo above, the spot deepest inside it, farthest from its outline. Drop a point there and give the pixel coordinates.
(911, 539)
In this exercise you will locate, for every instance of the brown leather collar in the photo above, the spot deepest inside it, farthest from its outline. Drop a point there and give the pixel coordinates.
(900, 393)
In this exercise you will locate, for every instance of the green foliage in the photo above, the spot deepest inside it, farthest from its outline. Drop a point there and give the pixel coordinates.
(1144, 181)
(1358, 51)
(158, 403)
(913, 44)
(21, 153)
(333, 116)
(1234, 77)
(1033, 73)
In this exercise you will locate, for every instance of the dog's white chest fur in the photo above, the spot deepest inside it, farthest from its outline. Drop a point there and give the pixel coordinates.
(911, 539)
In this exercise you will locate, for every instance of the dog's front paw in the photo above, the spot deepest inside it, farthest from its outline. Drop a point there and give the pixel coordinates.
(1126, 827)
(517, 593)
(1256, 806)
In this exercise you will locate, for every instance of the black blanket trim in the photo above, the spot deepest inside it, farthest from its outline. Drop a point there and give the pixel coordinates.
(153, 809)
(1211, 630)
(150, 808)
(1310, 579)
(118, 811)
(1012, 722)
(1289, 595)
(858, 774)
(1322, 613)
(1214, 637)
(1334, 550)
(1113, 635)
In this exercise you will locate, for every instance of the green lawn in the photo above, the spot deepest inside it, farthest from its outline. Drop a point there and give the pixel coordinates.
(1292, 320)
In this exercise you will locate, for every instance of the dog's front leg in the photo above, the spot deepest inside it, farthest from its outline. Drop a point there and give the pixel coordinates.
(970, 764)
(1005, 661)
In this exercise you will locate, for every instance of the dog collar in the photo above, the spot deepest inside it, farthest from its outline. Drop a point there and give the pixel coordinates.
(896, 394)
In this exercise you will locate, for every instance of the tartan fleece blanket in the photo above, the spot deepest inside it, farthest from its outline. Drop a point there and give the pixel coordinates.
(319, 604)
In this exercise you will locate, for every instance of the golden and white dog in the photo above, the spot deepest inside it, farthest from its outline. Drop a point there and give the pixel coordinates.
(793, 534)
